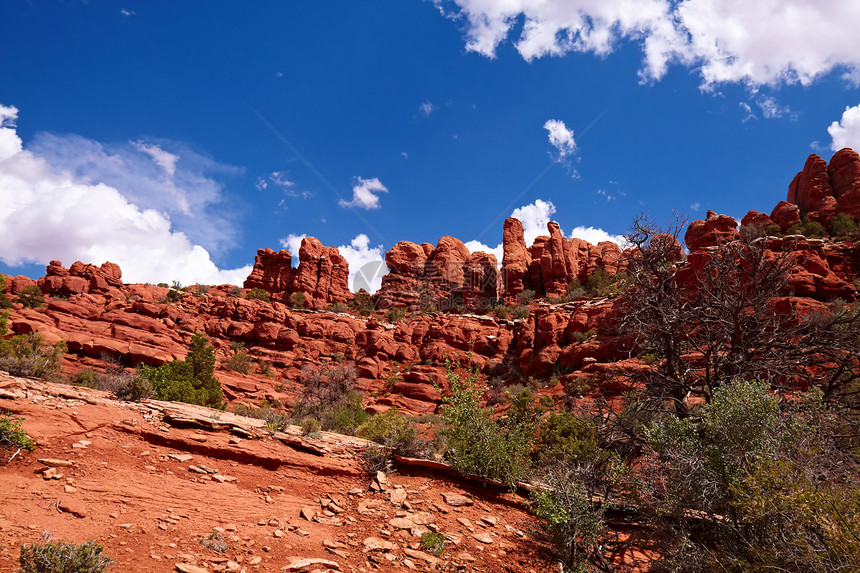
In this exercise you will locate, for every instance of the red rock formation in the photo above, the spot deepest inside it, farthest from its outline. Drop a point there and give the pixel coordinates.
(714, 230)
(756, 220)
(445, 276)
(557, 262)
(811, 191)
(515, 260)
(322, 274)
(844, 173)
(273, 271)
(786, 215)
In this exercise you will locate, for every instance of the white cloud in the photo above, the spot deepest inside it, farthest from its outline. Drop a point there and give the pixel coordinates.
(534, 218)
(62, 211)
(748, 112)
(770, 108)
(695, 206)
(726, 41)
(427, 108)
(560, 137)
(363, 194)
(846, 131)
(125, 12)
(498, 251)
(293, 243)
(594, 235)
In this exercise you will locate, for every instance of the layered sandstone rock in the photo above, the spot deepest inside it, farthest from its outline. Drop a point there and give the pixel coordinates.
(713, 230)
(442, 277)
(322, 275)
(821, 191)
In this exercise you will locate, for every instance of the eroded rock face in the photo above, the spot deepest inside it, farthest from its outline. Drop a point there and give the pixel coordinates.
(713, 230)
(81, 278)
(322, 275)
(786, 215)
(442, 277)
(821, 191)
(515, 260)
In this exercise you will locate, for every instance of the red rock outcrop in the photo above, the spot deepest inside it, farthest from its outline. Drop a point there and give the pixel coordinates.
(844, 170)
(444, 277)
(786, 215)
(515, 260)
(322, 275)
(713, 230)
(821, 191)
(81, 278)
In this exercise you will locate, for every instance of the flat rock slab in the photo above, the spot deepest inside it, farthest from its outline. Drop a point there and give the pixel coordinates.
(310, 564)
(377, 544)
(188, 568)
(54, 463)
(456, 500)
(76, 508)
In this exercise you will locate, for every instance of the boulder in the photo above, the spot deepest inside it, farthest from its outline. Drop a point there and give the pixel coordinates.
(713, 230)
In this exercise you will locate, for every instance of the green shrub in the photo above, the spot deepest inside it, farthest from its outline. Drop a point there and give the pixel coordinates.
(61, 557)
(191, 380)
(239, 362)
(274, 419)
(163, 285)
(258, 294)
(345, 416)
(584, 336)
(172, 296)
(311, 426)
(773, 230)
(396, 431)
(395, 314)
(572, 524)
(362, 303)
(479, 445)
(297, 300)
(323, 388)
(840, 226)
(31, 297)
(519, 312)
(4, 298)
(813, 230)
(132, 387)
(25, 355)
(433, 542)
(575, 290)
(500, 311)
(565, 440)
(526, 296)
(338, 307)
(13, 435)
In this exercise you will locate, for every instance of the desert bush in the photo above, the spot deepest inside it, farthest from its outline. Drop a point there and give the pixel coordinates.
(13, 435)
(362, 303)
(566, 440)
(773, 230)
(191, 380)
(172, 296)
(526, 296)
(275, 418)
(500, 311)
(600, 284)
(338, 307)
(345, 416)
(4, 298)
(575, 290)
(841, 225)
(397, 432)
(519, 312)
(264, 367)
(31, 297)
(258, 294)
(479, 445)
(132, 387)
(571, 523)
(584, 336)
(239, 362)
(395, 314)
(297, 300)
(26, 355)
(310, 426)
(813, 230)
(62, 557)
(433, 542)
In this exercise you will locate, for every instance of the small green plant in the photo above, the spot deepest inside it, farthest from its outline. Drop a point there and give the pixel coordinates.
(31, 297)
(500, 311)
(163, 285)
(526, 296)
(362, 303)
(275, 419)
(61, 557)
(13, 435)
(297, 300)
(239, 362)
(773, 230)
(4, 298)
(575, 290)
(584, 336)
(842, 225)
(258, 294)
(26, 355)
(520, 312)
(234, 292)
(338, 307)
(433, 542)
(264, 368)
(311, 426)
(396, 432)
(191, 380)
(172, 296)
(813, 230)
(215, 542)
(395, 314)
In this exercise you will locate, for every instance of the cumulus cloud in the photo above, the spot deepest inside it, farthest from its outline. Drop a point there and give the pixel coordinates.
(475, 246)
(57, 206)
(595, 235)
(845, 132)
(364, 194)
(560, 137)
(366, 263)
(726, 41)
(534, 218)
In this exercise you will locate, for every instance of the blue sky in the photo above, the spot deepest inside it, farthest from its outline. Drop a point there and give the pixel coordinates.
(178, 138)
